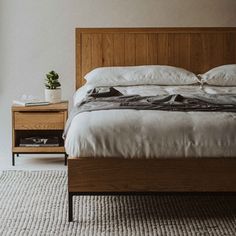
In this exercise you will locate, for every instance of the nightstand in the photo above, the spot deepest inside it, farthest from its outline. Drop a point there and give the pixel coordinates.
(38, 121)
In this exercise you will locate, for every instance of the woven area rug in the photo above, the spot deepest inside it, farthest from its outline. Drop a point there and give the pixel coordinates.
(35, 203)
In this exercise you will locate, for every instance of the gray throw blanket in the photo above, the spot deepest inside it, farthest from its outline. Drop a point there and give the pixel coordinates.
(110, 99)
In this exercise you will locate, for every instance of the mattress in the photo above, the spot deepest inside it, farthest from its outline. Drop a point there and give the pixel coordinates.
(153, 134)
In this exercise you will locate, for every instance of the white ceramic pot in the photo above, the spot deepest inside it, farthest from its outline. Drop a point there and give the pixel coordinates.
(53, 95)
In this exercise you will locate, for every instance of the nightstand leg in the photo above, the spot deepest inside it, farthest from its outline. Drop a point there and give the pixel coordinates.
(66, 159)
(70, 207)
(13, 158)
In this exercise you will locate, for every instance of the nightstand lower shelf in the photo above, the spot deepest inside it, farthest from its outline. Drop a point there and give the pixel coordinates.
(41, 150)
(38, 149)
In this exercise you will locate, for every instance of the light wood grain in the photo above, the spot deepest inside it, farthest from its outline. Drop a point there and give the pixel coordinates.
(158, 30)
(130, 49)
(179, 50)
(39, 120)
(96, 48)
(13, 129)
(152, 49)
(156, 175)
(78, 57)
(86, 54)
(108, 49)
(119, 50)
(163, 49)
(195, 49)
(62, 106)
(38, 149)
(141, 49)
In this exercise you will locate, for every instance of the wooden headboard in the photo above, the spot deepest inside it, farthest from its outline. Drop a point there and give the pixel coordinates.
(195, 49)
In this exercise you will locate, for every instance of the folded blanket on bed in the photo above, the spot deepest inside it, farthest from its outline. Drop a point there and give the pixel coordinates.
(110, 98)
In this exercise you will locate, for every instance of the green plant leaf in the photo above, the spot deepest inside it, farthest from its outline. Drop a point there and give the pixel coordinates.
(51, 80)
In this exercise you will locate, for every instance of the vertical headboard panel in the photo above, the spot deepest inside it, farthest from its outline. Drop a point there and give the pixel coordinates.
(195, 49)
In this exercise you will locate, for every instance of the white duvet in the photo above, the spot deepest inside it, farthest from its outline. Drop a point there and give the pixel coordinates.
(153, 134)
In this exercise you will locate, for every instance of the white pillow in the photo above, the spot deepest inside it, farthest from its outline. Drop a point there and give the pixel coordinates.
(138, 75)
(220, 76)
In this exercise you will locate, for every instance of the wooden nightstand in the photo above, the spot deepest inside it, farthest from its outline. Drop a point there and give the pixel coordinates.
(38, 121)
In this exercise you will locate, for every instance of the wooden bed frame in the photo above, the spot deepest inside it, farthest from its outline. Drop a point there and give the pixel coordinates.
(195, 49)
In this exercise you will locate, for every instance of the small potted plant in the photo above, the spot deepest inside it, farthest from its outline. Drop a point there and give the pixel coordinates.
(52, 90)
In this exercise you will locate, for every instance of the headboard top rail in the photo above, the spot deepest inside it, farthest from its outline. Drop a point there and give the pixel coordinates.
(158, 30)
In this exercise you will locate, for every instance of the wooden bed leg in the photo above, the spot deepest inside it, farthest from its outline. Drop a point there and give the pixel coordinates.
(70, 207)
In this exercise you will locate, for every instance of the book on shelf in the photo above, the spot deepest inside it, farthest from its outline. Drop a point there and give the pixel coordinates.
(39, 142)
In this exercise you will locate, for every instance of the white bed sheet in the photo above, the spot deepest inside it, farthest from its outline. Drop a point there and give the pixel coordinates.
(153, 134)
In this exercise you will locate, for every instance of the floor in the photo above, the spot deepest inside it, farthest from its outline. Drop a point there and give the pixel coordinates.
(34, 162)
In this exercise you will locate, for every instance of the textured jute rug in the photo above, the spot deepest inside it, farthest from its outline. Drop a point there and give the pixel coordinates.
(35, 203)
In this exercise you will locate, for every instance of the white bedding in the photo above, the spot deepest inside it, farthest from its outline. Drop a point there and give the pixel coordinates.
(153, 134)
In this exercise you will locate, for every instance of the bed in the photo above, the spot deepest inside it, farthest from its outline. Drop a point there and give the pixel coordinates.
(184, 170)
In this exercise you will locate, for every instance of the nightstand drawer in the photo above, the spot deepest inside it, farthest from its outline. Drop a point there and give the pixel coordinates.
(39, 120)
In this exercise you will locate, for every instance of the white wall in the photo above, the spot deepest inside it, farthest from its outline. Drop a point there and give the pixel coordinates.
(37, 36)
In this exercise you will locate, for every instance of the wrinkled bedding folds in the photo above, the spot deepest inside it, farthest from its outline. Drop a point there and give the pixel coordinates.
(153, 134)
